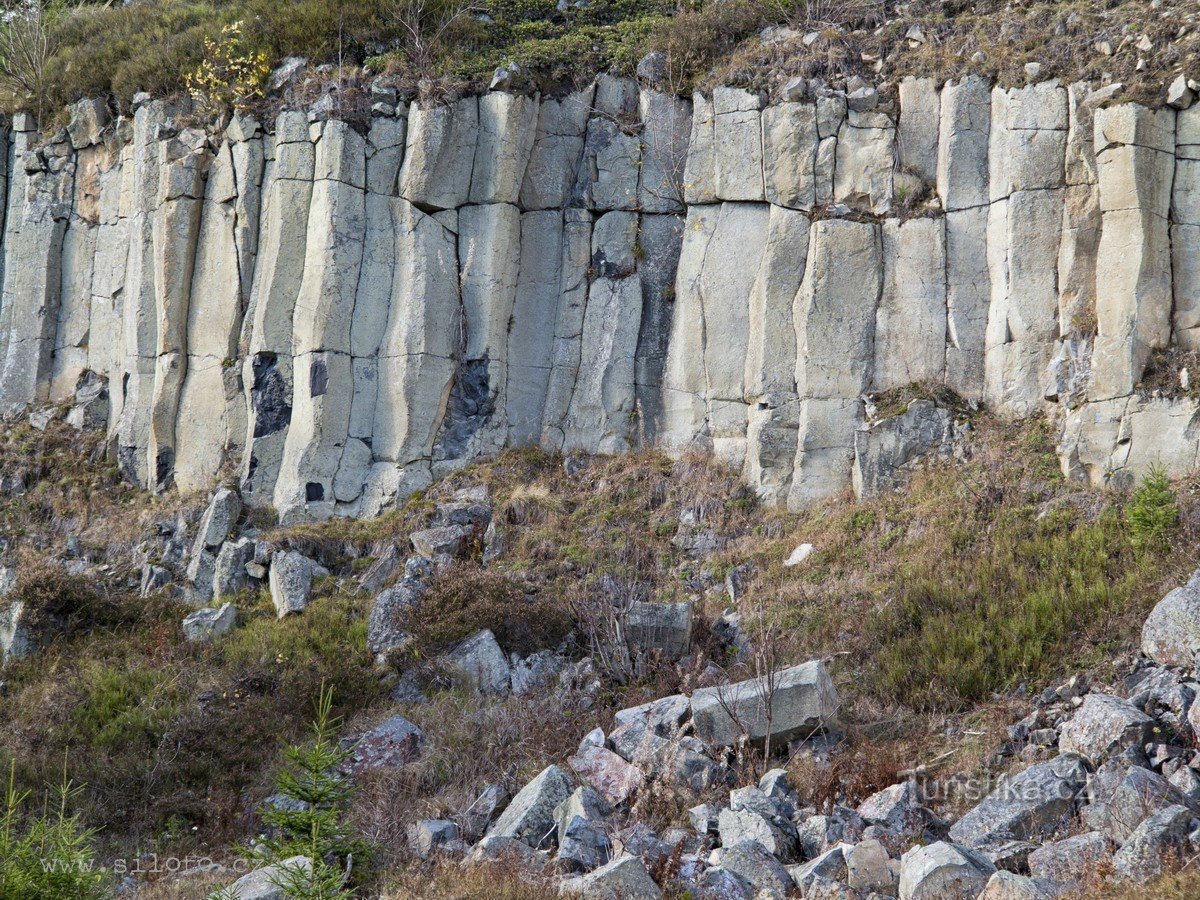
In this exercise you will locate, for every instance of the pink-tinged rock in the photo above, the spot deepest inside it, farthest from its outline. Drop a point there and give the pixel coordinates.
(615, 779)
(392, 744)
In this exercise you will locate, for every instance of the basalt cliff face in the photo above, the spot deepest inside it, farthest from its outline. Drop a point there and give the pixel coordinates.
(340, 315)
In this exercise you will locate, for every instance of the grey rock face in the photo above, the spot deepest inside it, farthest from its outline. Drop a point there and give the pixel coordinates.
(625, 876)
(394, 742)
(1160, 840)
(529, 818)
(384, 632)
(209, 624)
(229, 573)
(803, 702)
(885, 450)
(1033, 804)
(665, 627)
(481, 663)
(1072, 860)
(1171, 635)
(756, 866)
(1103, 726)
(943, 871)
(260, 884)
(291, 579)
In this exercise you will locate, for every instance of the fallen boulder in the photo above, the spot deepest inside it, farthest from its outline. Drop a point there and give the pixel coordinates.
(1171, 633)
(794, 703)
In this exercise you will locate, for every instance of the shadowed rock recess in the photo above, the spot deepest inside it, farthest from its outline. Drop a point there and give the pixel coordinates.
(345, 316)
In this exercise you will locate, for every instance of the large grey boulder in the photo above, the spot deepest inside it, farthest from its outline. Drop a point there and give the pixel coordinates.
(449, 540)
(803, 701)
(1103, 726)
(943, 871)
(750, 861)
(1160, 840)
(261, 883)
(529, 818)
(582, 842)
(1072, 860)
(1122, 796)
(480, 663)
(870, 869)
(291, 581)
(1171, 634)
(625, 878)
(1011, 886)
(736, 826)
(229, 572)
(897, 808)
(831, 864)
(607, 772)
(1031, 805)
(218, 520)
(207, 624)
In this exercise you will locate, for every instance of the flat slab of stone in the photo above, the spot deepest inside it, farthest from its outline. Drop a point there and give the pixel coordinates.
(803, 703)
(529, 818)
(1033, 804)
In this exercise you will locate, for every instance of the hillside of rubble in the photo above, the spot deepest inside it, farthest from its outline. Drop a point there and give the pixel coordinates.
(595, 622)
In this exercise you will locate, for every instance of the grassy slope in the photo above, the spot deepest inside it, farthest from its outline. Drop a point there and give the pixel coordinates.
(151, 45)
(935, 603)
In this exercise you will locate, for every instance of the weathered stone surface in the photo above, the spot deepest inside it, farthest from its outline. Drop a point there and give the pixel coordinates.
(1072, 860)
(1029, 806)
(920, 123)
(1158, 843)
(529, 818)
(608, 773)
(481, 663)
(558, 143)
(1171, 633)
(910, 324)
(625, 876)
(751, 862)
(943, 871)
(789, 136)
(834, 316)
(507, 129)
(1104, 726)
(291, 580)
(229, 573)
(1010, 886)
(209, 624)
(384, 632)
(1134, 149)
(738, 145)
(803, 702)
(261, 883)
(666, 128)
(1121, 797)
(865, 161)
(439, 154)
(394, 742)
(886, 450)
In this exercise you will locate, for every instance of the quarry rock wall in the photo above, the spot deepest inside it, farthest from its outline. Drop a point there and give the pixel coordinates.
(339, 315)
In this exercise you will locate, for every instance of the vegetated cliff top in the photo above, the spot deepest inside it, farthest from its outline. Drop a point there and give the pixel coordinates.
(158, 46)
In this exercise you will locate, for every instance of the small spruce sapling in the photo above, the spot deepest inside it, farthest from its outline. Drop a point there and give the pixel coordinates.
(315, 824)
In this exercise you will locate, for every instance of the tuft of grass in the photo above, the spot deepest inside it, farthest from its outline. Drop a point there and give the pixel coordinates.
(466, 599)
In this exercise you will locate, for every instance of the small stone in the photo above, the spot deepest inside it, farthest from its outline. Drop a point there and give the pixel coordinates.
(1033, 70)
(652, 68)
(799, 555)
(1181, 96)
(207, 624)
(392, 744)
(261, 883)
